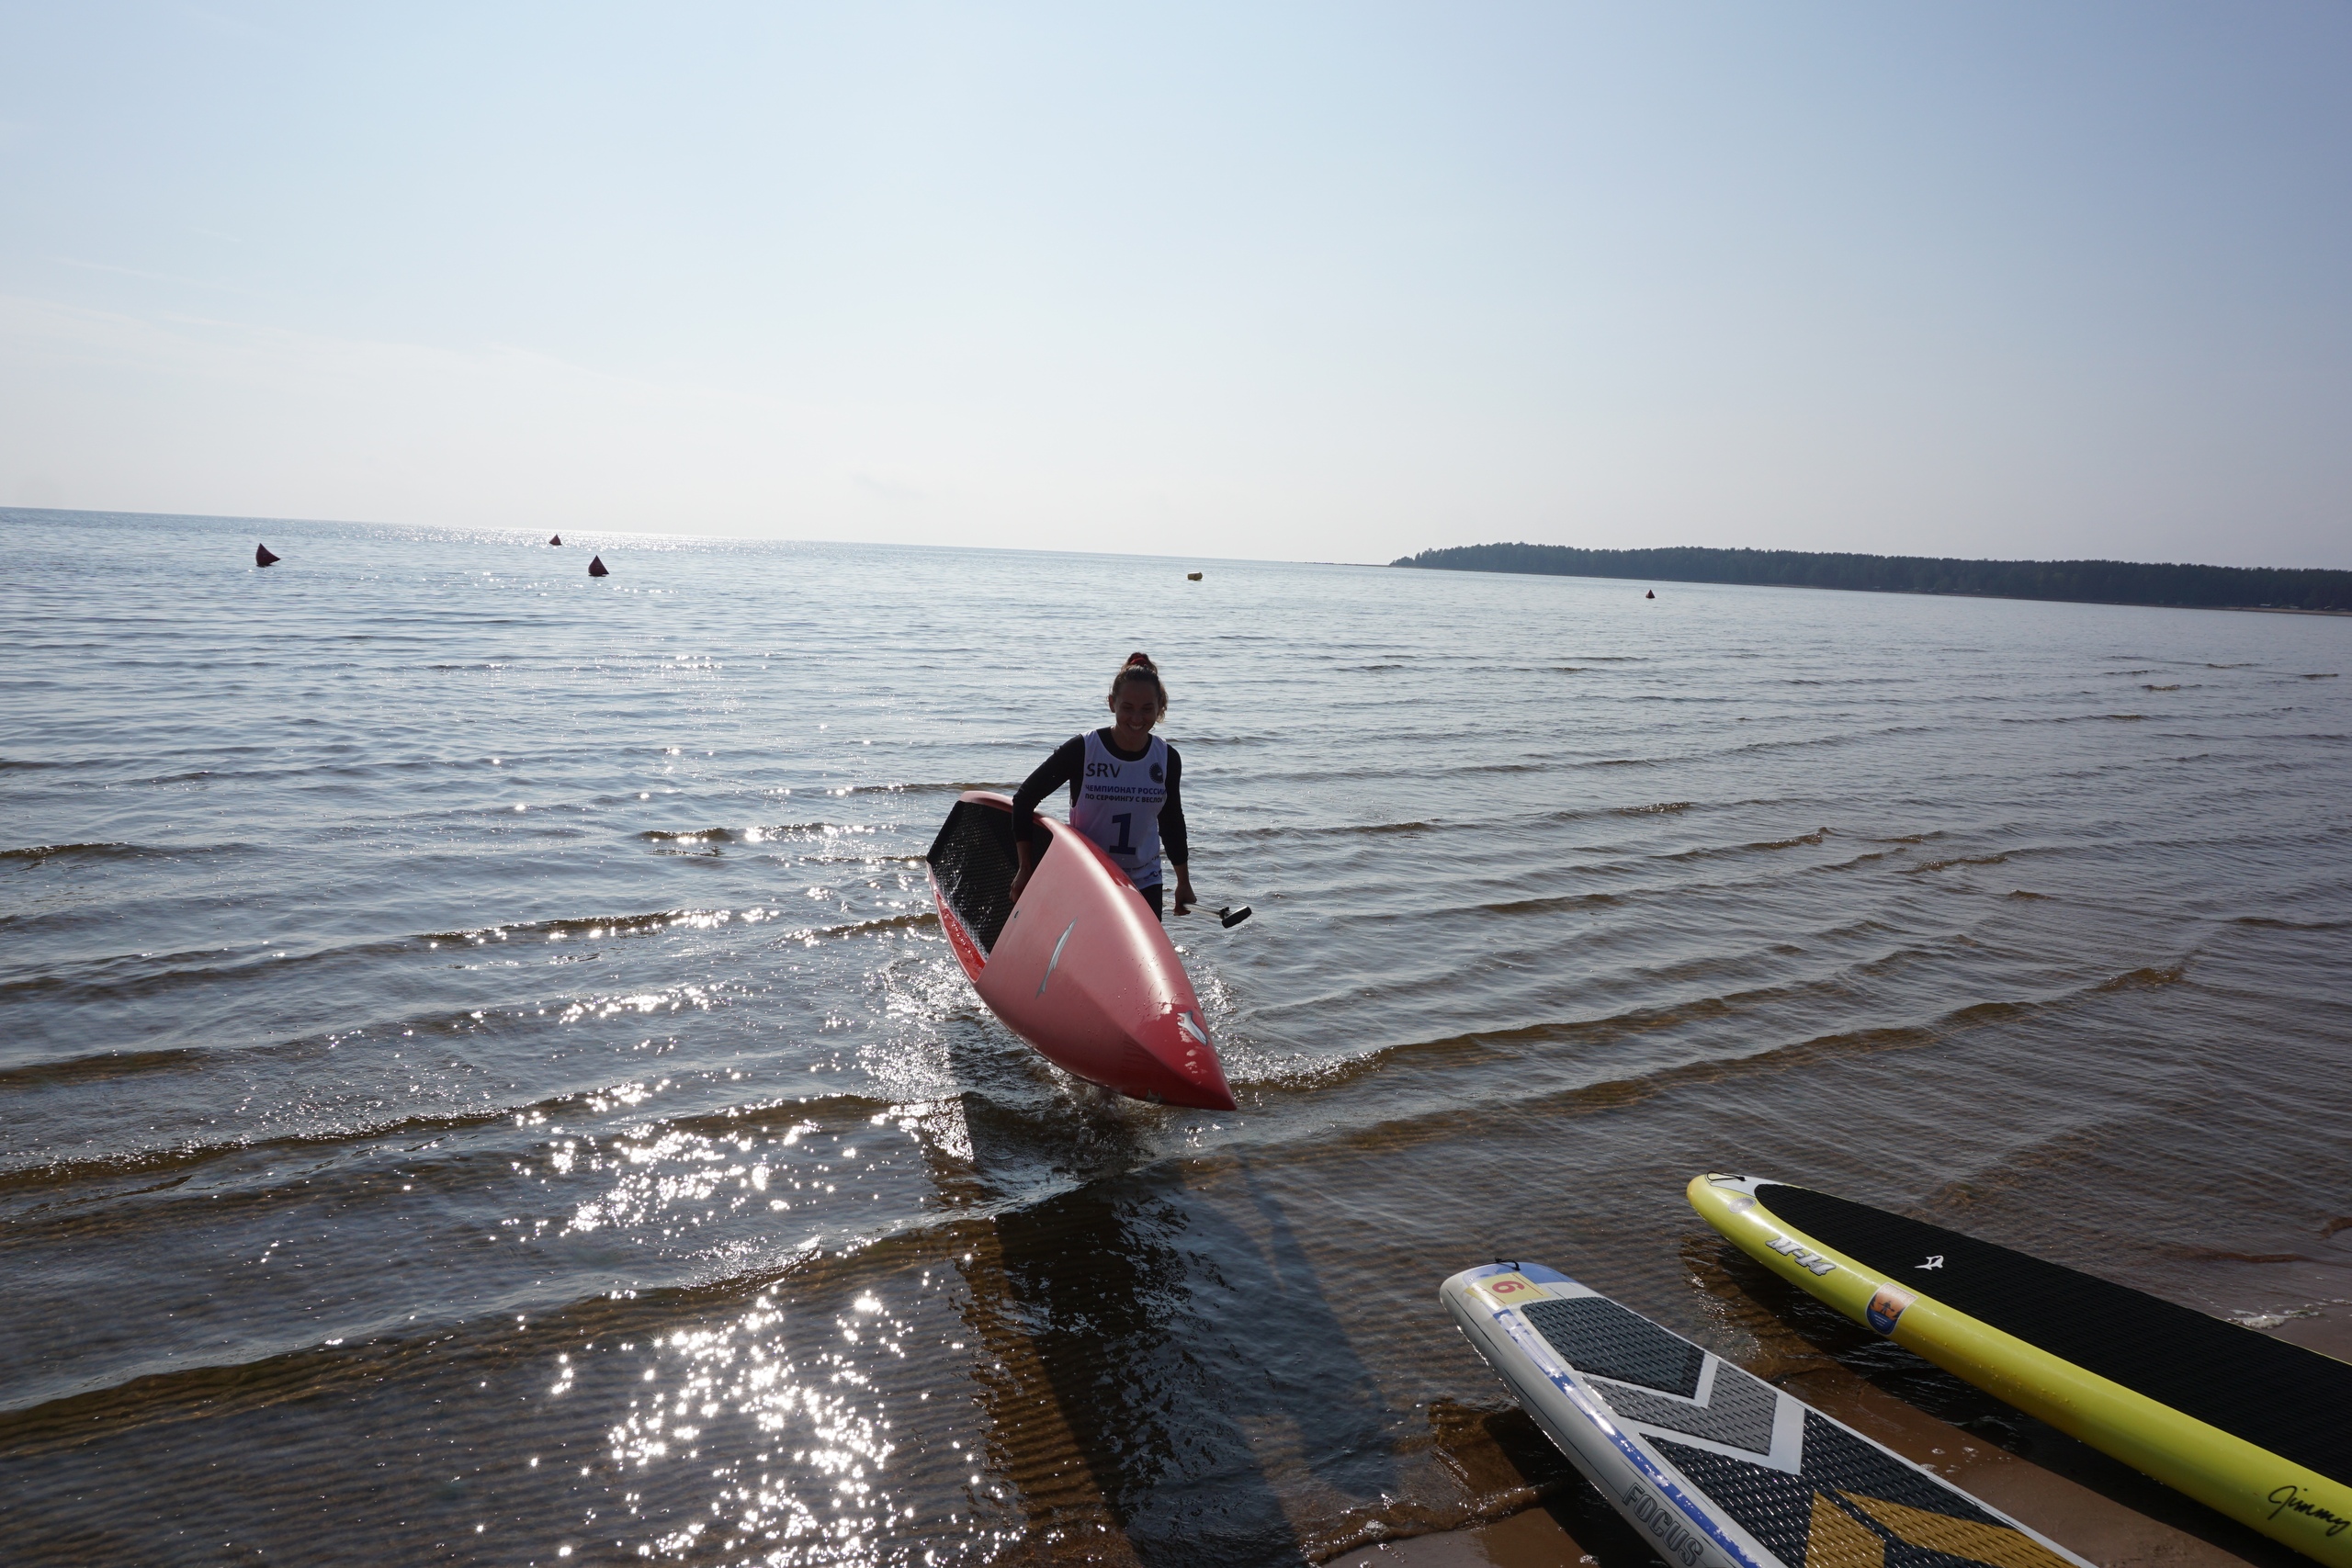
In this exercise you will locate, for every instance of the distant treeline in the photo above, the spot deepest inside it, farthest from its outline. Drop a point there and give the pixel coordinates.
(2087, 582)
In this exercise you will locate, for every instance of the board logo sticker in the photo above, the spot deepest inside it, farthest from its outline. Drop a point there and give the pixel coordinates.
(1887, 1307)
(1660, 1521)
(1512, 1290)
(2290, 1497)
(1803, 1257)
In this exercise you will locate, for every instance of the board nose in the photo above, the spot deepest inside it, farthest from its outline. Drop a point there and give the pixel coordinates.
(1177, 1063)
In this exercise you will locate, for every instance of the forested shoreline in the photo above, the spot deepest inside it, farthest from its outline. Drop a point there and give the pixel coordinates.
(2085, 581)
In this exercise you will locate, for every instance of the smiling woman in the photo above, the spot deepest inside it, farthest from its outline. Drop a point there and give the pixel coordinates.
(1126, 791)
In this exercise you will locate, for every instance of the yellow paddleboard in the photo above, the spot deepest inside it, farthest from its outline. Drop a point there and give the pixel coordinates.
(2251, 1426)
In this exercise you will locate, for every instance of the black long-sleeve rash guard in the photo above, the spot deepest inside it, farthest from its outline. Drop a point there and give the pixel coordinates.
(1068, 766)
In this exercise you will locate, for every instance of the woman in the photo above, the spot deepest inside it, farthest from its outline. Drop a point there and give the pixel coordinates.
(1123, 790)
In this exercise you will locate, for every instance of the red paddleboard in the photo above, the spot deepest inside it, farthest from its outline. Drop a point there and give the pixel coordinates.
(1080, 968)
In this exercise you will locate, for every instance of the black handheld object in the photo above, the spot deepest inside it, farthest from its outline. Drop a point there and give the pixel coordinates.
(1233, 917)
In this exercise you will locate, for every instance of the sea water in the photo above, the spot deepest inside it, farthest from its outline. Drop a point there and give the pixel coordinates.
(480, 1079)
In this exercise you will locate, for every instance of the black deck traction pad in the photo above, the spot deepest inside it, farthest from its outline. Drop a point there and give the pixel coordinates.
(1858, 1480)
(974, 861)
(1601, 1339)
(2293, 1401)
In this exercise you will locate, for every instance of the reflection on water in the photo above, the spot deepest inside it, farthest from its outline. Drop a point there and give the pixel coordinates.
(387, 1171)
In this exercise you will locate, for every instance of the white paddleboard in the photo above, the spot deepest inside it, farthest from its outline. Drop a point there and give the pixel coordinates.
(1715, 1467)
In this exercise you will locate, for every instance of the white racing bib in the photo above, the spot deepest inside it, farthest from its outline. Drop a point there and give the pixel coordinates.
(1118, 806)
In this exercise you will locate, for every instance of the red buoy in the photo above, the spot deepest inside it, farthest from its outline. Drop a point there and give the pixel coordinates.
(596, 567)
(556, 540)
(1651, 594)
(262, 556)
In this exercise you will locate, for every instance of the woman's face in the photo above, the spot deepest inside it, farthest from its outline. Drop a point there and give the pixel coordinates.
(1135, 708)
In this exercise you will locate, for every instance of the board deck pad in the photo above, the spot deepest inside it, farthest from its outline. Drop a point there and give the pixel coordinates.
(1714, 1465)
(974, 862)
(2276, 1396)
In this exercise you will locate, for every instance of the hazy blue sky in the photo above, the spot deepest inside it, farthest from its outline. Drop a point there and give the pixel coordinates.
(1309, 281)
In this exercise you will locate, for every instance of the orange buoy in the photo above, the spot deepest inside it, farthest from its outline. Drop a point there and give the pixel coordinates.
(596, 567)
(262, 556)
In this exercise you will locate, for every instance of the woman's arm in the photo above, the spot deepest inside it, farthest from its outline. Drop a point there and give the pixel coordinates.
(1065, 765)
(1172, 834)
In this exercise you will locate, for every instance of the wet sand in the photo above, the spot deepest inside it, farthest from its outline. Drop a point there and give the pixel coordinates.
(2079, 1497)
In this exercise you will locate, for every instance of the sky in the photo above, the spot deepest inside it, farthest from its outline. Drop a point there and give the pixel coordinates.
(1300, 281)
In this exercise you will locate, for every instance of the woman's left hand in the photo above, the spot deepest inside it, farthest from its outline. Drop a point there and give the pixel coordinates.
(1185, 898)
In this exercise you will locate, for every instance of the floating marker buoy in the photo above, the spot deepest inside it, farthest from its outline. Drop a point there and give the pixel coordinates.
(1192, 577)
(556, 540)
(1651, 594)
(596, 567)
(262, 556)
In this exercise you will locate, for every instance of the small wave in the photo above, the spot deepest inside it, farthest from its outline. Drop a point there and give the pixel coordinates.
(99, 1068)
(1347, 831)
(603, 925)
(1663, 808)
(1872, 858)
(1711, 852)
(2022, 893)
(2223, 1255)
(833, 1113)
(752, 835)
(118, 977)
(917, 789)
(36, 853)
(2148, 688)
(610, 1106)
(2144, 979)
(1849, 738)
(1956, 860)
(2341, 1223)
(1550, 906)
(193, 1394)
(922, 922)
(2331, 675)
(128, 1163)
(2269, 923)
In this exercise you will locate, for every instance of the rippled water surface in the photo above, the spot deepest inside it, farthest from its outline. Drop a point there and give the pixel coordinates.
(480, 1079)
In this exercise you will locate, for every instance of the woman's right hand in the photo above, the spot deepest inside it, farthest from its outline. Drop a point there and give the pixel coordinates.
(1020, 881)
